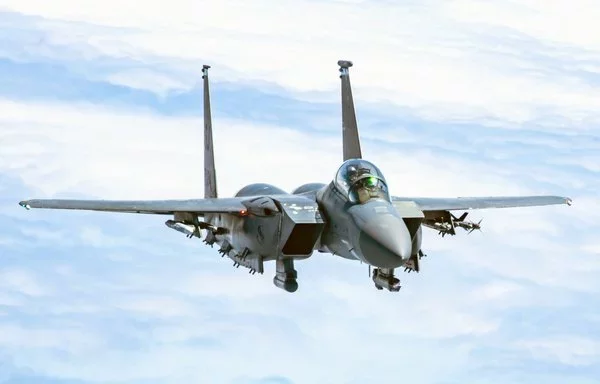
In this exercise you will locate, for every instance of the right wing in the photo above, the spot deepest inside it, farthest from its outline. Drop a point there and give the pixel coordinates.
(158, 207)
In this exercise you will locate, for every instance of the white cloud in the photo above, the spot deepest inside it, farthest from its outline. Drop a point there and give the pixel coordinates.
(453, 320)
(435, 57)
(592, 248)
(73, 340)
(146, 79)
(162, 147)
(166, 308)
(497, 290)
(22, 281)
(156, 306)
(95, 237)
(577, 351)
(9, 300)
(554, 21)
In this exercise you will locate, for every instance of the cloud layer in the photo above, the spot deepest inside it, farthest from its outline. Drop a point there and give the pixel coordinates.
(453, 99)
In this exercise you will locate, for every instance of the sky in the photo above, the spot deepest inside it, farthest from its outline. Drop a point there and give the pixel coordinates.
(102, 99)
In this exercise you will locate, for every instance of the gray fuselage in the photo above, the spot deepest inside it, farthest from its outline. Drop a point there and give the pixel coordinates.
(324, 218)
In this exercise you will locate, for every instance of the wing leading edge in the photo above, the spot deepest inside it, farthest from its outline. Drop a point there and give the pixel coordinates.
(465, 203)
(159, 207)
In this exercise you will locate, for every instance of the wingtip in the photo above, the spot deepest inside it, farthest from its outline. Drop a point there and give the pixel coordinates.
(25, 204)
(568, 201)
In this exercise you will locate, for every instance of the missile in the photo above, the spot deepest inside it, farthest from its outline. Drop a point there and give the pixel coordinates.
(188, 230)
(469, 225)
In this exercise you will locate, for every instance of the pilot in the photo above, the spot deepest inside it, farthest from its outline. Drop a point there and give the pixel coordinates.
(351, 174)
(360, 181)
(366, 189)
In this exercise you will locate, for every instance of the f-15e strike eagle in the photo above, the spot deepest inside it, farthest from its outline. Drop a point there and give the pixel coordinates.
(353, 216)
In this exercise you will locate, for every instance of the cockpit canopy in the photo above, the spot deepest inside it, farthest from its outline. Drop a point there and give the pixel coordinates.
(361, 181)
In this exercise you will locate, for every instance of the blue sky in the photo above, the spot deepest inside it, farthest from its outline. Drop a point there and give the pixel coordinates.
(453, 98)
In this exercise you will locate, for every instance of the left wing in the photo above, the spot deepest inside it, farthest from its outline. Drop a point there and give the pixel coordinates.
(436, 210)
(465, 203)
(158, 207)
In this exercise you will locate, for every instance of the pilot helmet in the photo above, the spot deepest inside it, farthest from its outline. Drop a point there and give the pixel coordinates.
(352, 173)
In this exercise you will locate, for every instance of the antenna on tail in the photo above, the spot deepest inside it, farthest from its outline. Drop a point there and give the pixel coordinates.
(210, 174)
(350, 128)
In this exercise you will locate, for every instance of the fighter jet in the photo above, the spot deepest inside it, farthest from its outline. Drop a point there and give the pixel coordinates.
(354, 216)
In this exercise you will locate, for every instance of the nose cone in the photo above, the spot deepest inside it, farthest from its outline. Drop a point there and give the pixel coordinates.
(384, 240)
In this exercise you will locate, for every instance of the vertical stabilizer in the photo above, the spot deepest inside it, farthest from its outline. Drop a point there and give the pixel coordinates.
(350, 128)
(210, 174)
